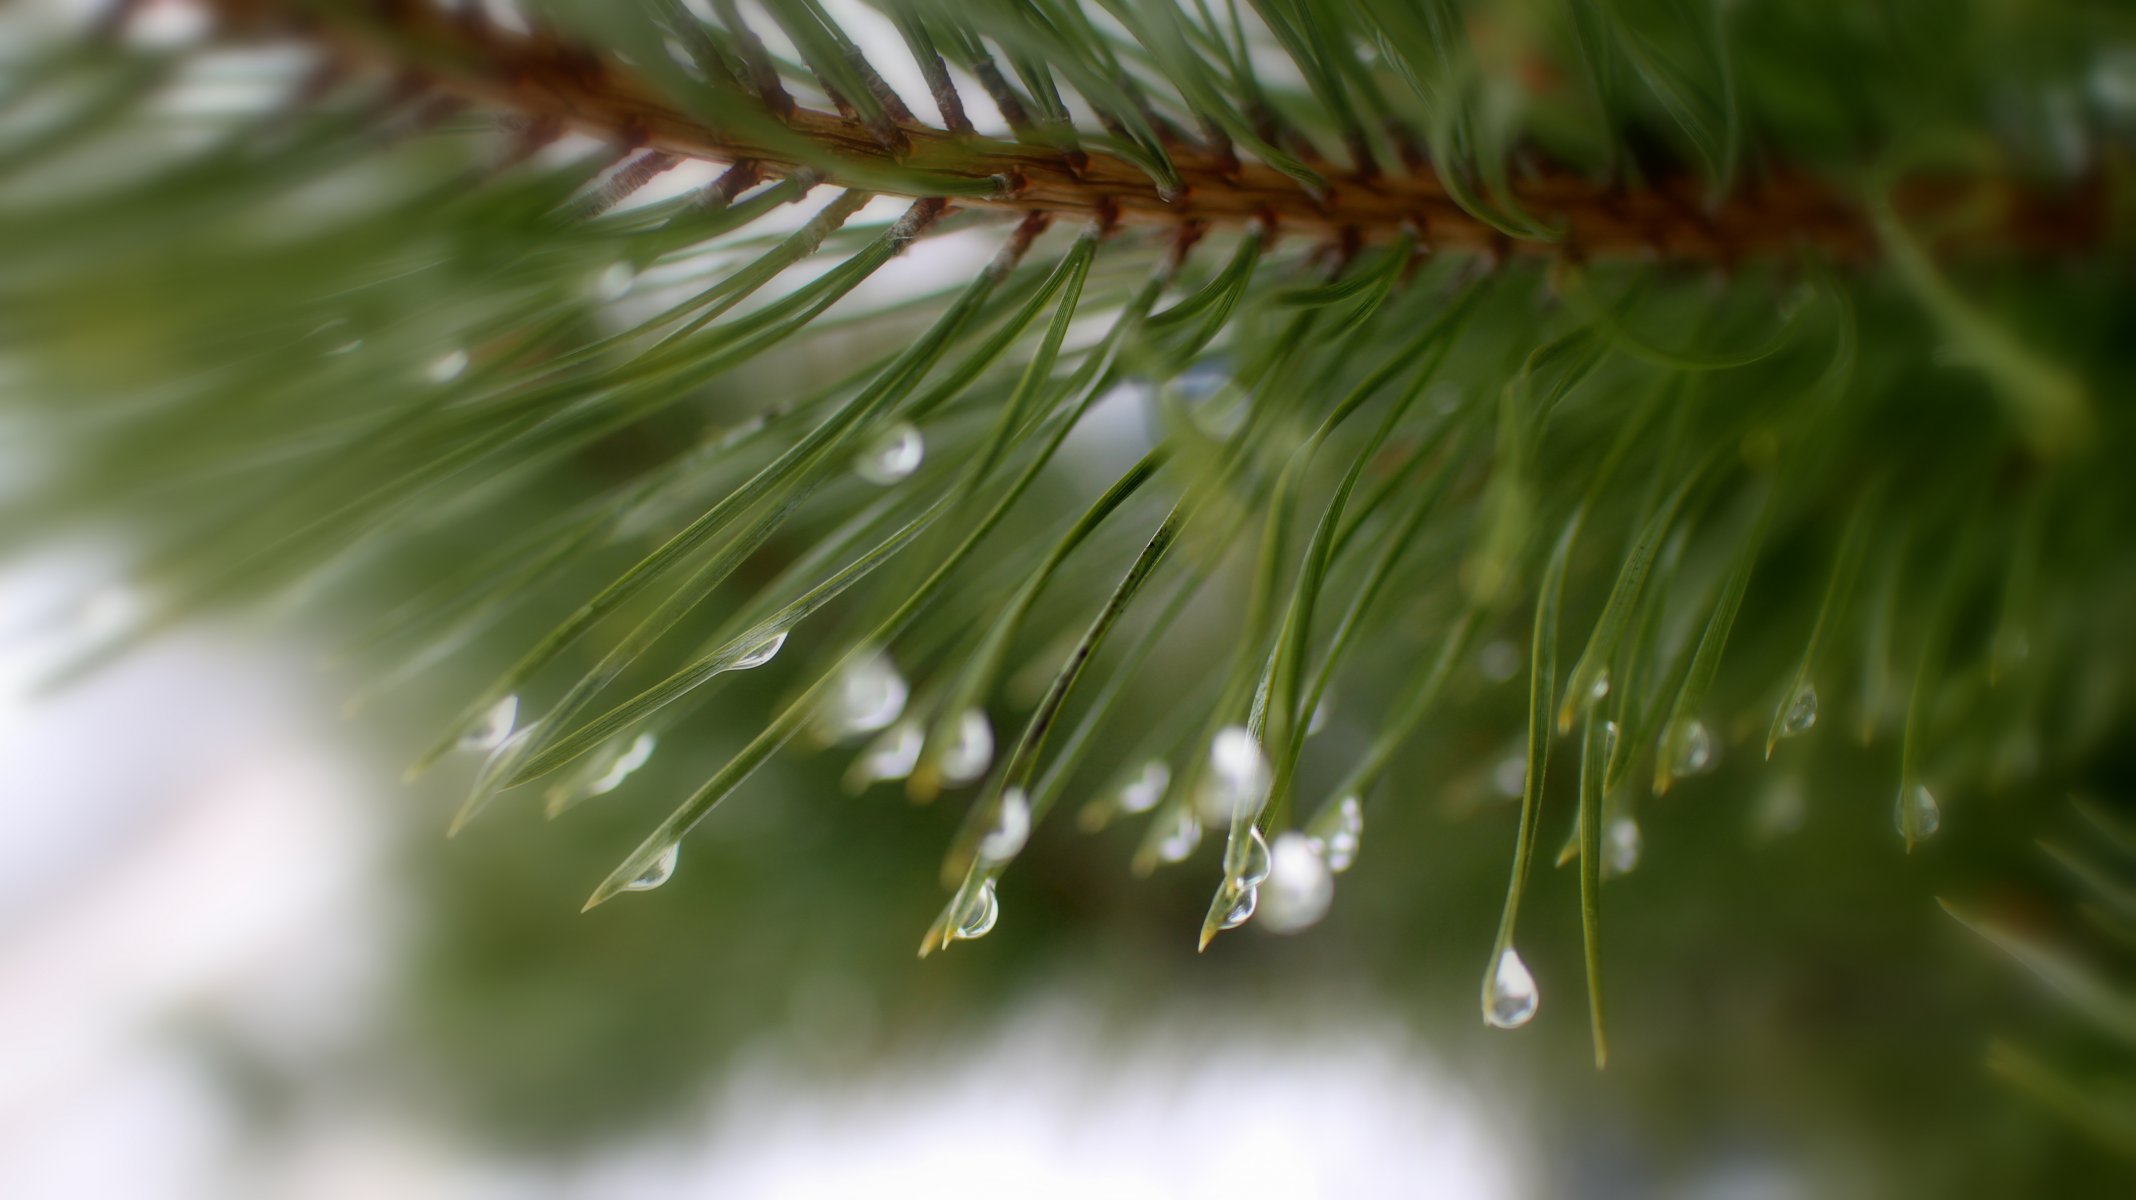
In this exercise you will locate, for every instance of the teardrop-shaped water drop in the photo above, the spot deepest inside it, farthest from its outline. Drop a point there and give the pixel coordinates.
(446, 367)
(656, 872)
(1012, 824)
(978, 913)
(869, 696)
(970, 751)
(1927, 814)
(493, 728)
(761, 653)
(894, 454)
(1694, 748)
(891, 756)
(1144, 791)
(619, 769)
(1300, 884)
(1622, 844)
(1801, 712)
(1243, 899)
(1238, 779)
(1598, 691)
(1344, 838)
(1513, 994)
(1181, 839)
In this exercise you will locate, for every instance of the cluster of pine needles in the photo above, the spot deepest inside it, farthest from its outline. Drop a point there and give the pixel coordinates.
(1732, 378)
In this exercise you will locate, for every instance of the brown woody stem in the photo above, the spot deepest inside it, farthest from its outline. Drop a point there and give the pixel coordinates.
(544, 79)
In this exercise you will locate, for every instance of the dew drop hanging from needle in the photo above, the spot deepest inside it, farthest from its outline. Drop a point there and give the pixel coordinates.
(493, 728)
(970, 751)
(1922, 807)
(1694, 749)
(1300, 886)
(1514, 997)
(893, 455)
(1146, 789)
(1801, 712)
(1349, 830)
(1622, 844)
(761, 653)
(1181, 840)
(1012, 825)
(658, 871)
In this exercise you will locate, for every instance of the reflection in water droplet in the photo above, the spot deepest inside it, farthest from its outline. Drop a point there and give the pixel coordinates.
(493, 727)
(891, 756)
(1621, 846)
(1144, 791)
(1343, 839)
(893, 455)
(1243, 900)
(1181, 839)
(1801, 712)
(868, 696)
(447, 367)
(970, 752)
(1300, 884)
(632, 757)
(656, 872)
(1694, 748)
(1513, 994)
(1238, 778)
(1012, 824)
(1927, 814)
(978, 912)
(1255, 866)
(761, 653)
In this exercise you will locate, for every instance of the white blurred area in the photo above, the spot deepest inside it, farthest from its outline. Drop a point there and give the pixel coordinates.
(192, 842)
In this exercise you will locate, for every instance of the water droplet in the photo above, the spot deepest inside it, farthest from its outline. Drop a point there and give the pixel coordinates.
(1238, 779)
(893, 455)
(1694, 748)
(1012, 824)
(891, 756)
(977, 912)
(1244, 899)
(614, 282)
(970, 750)
(656, 872)
(1144, 791)
(1510, 776)
(1300, 885)
(1599, 689)
(493, 728)
(1513, 995)
(1801, 712)
(632, 757)
(1609, 741)
(1621, 846)
(447, 367)
(1181, 839)
(761, 653)
(1349, 830)
(869, 696)
(1255, 862)
(1927, 814)
(1499, 660)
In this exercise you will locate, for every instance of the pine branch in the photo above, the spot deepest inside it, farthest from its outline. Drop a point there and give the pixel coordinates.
(555, 83)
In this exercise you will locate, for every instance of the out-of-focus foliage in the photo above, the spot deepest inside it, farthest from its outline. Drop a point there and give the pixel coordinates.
(1751, 575)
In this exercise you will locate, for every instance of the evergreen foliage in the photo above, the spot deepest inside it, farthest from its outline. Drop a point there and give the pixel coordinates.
(1593, 395)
